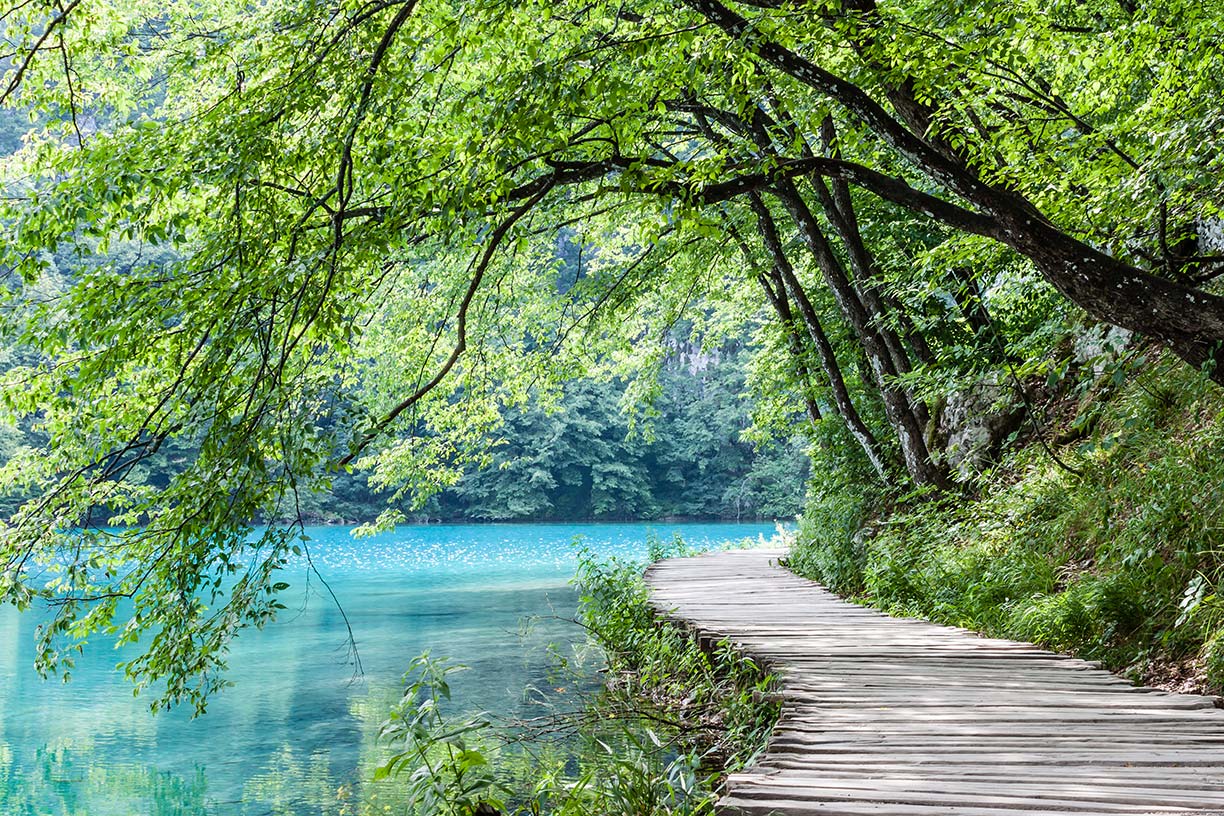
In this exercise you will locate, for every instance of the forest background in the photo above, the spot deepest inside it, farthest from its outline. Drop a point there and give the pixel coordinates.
(694, 456)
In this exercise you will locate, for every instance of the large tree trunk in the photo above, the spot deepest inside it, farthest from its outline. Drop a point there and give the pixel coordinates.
(799, 356)
(909, 430)
(784, 279)
(867, 284)
(794, 340)
(841, 202)
(1187, 320)
(838, 207)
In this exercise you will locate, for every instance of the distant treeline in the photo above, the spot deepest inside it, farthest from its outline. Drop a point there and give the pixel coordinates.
(577, 460)
(582, 460)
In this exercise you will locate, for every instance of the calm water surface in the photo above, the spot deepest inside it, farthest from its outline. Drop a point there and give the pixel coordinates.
(296, 734)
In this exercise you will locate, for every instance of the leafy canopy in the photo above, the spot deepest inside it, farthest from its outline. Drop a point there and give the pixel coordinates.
(312, 236)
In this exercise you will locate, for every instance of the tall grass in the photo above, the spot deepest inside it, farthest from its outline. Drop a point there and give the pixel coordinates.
(1122, 562)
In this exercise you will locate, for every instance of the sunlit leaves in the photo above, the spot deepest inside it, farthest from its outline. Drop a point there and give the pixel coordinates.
(252, 230)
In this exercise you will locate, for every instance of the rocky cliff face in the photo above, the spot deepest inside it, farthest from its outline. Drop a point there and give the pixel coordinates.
(1211, 236)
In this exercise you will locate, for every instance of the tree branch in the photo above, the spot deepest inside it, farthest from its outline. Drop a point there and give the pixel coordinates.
(495, 240)
(28, 59)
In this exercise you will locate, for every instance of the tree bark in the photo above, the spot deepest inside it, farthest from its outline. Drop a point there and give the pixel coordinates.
(867, 284)
(910, 432)
(781, 304)
(842, 202)
(839, 210)
(784, 278)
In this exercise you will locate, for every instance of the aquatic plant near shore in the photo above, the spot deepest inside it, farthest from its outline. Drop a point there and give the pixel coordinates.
(670, 721)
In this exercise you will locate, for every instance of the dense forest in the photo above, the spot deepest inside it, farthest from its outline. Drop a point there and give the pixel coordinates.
(583, 453)
(583, 461)
(580, 457)
(971, 254)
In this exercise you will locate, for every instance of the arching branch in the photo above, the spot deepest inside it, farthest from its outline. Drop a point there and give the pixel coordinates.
(481, 266)
(27, 59)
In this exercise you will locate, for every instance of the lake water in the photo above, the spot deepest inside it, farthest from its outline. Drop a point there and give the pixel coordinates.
(297, 733)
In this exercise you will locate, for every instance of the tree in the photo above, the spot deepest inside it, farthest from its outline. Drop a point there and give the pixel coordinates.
(957, 147)
(573, 460)
(364, 201)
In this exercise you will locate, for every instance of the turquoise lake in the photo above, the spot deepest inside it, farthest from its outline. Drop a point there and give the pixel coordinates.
(296, 735)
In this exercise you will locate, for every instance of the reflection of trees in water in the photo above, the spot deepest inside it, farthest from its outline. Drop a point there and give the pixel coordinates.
(292, 783)
(542, 675)
(61, 780)
(290, 740)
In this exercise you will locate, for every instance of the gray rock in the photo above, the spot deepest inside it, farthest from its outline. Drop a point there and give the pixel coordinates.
(1099, 344)
(975, 421)
(1211, 236)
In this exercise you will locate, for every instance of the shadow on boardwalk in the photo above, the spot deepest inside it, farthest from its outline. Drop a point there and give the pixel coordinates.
(896, 717)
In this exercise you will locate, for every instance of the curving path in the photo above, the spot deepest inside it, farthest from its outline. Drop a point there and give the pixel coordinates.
(897, 717)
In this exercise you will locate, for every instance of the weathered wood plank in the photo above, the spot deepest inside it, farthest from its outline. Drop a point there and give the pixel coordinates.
(898, 717)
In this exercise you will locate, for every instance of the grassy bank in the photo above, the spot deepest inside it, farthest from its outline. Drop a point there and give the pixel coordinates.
(1120, 560)
(716, 704)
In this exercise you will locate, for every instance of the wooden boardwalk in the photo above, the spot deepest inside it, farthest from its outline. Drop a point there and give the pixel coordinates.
(898, 717)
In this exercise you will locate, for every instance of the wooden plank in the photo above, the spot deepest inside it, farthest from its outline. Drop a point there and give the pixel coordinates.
(771, 807)
(1042, 778)
(899, 717)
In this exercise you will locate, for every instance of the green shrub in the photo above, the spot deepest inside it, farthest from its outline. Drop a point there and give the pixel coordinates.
(831, 528)
(720, 696)
(656, 741)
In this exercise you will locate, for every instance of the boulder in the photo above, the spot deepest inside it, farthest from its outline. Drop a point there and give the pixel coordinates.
(1098, 344)
(975, 421)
